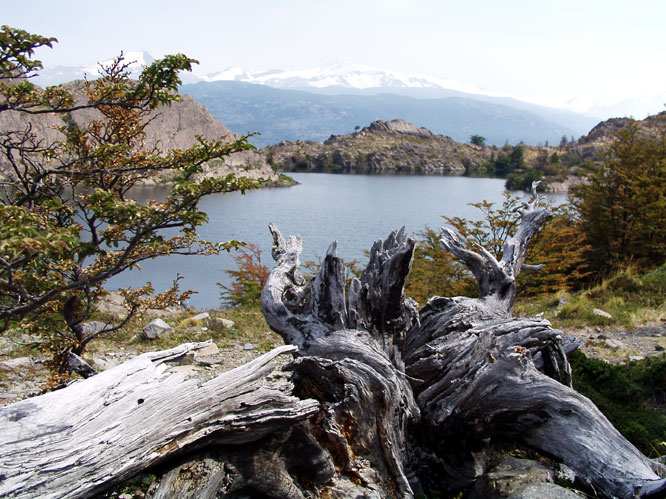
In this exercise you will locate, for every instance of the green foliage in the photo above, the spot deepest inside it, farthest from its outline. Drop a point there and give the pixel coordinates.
(560, 246)
(508, 160)
(631, 299)
(622, 206)
(435, 272)
(523, 180)
(248, 279)
(477, 140)
(67, 220)
(631, 396)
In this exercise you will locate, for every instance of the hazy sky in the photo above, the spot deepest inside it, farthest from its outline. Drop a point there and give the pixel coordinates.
(537, 49)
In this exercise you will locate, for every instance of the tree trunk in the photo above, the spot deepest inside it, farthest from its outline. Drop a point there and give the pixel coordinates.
(386, 401)
(94, 433)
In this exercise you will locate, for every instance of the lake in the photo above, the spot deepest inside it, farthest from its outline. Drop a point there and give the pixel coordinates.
(355, 210)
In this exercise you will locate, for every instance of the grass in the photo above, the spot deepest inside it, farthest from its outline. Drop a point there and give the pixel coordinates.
(632, 300)
(249, 327)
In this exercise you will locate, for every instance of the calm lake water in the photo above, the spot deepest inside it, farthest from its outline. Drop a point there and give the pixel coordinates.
(355, 210)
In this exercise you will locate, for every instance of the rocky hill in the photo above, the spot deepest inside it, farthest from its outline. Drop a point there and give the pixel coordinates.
(395, 146)
(171, 127)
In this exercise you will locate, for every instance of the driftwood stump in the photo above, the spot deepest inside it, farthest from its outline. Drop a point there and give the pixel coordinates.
(384, 401)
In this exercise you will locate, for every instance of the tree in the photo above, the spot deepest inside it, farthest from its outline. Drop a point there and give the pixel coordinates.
(622, 206)
(248, 279)
(561, 247)
(477, 140)
(67, 219)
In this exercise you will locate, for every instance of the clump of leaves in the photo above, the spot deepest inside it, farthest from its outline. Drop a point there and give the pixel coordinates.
(248, 279)
(560, 247)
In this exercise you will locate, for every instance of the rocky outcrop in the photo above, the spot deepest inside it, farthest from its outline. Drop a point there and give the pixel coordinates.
(395, 146)
(171, 127)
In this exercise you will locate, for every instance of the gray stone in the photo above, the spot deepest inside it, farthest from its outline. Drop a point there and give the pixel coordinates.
(208, 361)
(614, 344)
(545, 491)
(223, 323)
(93, 327)
(565, 473)
(188, 370)
(156, 328)
(202, 317)
(249, 346)
(104, 362)
(600, 313)
(16, 363)
(511, 475)
(208, 350)
(112, 304)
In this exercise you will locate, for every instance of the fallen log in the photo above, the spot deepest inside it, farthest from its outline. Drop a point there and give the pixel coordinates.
(385, 400)
(94, 433)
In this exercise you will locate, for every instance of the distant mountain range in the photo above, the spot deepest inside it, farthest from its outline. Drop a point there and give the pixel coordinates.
(316, 103)
(281, 115)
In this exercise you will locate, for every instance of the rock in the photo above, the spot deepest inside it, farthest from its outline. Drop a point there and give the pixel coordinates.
(156, 328)
(202, 317)
(614, 344)
(248, 346)
(384, 146)
(103, 363)
(112, 304)
(510, 476)
(565, 473)
(545, 491)
(207, 361)
(16, 363)
(222, 323)
(659, 348)
(635, 358)
(93, 327)
(188, 370)
(211, 349)
(600, 313)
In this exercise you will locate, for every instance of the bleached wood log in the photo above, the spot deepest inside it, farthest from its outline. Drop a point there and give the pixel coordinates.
(474, 372)
(94, 433)
(349, 352)
(477, 374)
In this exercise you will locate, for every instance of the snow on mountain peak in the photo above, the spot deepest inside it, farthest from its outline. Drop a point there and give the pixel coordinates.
(341, 73)
(136, 60)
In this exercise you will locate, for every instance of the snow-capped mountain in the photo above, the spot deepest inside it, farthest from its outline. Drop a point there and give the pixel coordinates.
(341, 75)
(62, 74)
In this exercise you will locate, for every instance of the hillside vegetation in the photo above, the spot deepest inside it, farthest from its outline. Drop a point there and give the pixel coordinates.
(400, 147)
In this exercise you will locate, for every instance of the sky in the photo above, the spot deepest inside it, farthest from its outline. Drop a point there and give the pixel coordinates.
(563, 52)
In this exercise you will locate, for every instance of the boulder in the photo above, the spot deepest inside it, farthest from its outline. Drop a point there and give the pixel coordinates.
(203, 317)
(509, 477)
(207, 351)
(600, 313)
(221, 323)
(156, 328)
(545, 491)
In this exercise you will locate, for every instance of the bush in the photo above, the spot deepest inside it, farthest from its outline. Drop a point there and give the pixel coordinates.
(629, 396)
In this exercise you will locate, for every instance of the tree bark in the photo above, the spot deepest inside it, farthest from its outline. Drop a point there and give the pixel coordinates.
(385, 400)
(92, 434)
